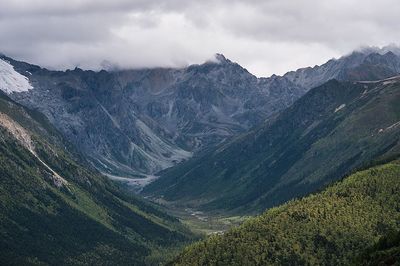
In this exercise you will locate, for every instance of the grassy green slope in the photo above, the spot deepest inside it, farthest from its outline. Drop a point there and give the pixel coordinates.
(327, 228)
(86, 220)
(328, 132)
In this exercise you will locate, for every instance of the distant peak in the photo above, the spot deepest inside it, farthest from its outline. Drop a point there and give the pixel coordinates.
(220, 58)
(393, 48)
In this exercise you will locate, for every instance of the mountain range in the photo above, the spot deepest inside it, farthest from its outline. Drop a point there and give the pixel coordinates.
(137, 122)
(142, 121)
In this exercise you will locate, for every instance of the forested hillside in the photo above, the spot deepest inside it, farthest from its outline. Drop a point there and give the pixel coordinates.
(327, 228)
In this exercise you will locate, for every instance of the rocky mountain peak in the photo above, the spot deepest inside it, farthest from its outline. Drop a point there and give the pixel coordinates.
(368, 63)
(221, 58)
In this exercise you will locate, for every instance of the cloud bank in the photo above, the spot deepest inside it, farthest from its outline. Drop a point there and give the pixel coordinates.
(265, 36)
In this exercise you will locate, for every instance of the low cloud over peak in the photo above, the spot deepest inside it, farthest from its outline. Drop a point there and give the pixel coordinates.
(264, 36)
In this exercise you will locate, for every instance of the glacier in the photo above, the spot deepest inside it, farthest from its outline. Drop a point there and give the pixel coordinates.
(12, 81)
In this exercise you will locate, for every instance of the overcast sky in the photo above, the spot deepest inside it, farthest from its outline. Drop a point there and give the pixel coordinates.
(265, 36)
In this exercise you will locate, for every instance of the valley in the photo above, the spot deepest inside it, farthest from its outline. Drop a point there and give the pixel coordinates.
(201, 222)
(201, 165)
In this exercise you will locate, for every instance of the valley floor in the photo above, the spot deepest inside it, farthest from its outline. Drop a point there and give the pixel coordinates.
(200, 222)
(205, 223)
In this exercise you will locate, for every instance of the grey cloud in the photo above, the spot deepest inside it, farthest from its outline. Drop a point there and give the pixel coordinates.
(266, 36)
(329, 22)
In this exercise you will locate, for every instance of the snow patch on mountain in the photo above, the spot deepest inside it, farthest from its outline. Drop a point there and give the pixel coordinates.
(12, 81)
